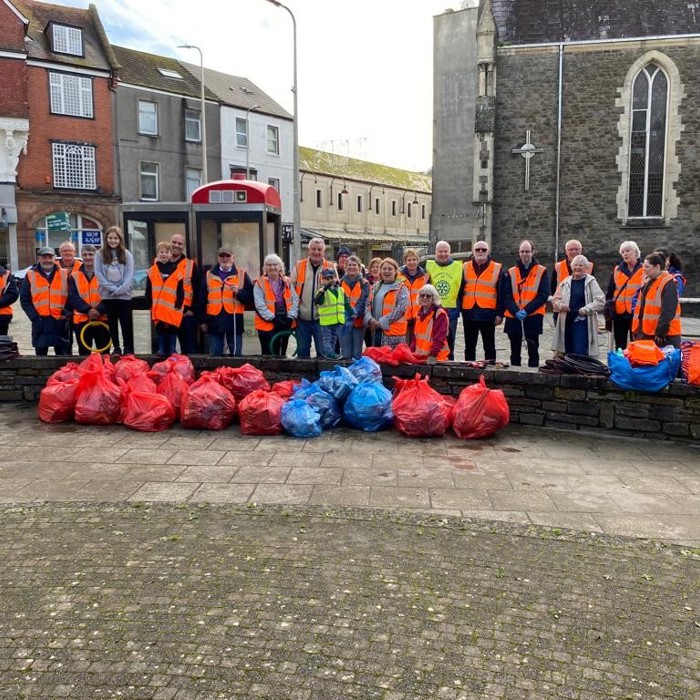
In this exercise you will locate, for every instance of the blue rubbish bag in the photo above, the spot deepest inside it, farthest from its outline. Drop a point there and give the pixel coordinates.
(649, 379)
(368, 407)
(322, 401)
(300, 420)
(338, 382)
(366, 370)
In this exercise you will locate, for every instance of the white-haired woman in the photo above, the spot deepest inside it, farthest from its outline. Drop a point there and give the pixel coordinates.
(276, 306)
(432, 326)
(625, 281)
(578, 300)
(386, 312)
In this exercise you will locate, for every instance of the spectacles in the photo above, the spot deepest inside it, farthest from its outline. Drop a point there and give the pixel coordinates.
(426, 296)
(224, 255)
(481, 250)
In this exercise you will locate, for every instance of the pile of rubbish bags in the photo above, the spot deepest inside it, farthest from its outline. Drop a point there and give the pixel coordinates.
(129, 392)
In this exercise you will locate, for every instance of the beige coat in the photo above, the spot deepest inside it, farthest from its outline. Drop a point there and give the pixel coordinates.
(595, 301)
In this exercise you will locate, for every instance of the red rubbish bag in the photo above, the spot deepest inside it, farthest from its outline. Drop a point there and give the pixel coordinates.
(98, 398)
(419, 411)
(130, 366)
(143, 383)
(57, 401)
(286, 388)
(241, 381)
(382, 355)
(402, 354)
(69, 371)
(149, 412)
(207, 405)
(175, 363)
(260, 413)
(95, 362)
(480, 412)
(174, 386)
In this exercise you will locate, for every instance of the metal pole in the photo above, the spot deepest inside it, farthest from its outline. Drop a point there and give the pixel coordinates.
(296, 246)
(247, 140)
(205, 175)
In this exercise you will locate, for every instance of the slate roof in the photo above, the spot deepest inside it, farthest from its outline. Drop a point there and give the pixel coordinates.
(98, 53)
(544, 21)
(325, 163)
(140, 68)
(235, 91)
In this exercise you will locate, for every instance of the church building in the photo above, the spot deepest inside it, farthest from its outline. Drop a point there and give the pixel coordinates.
(565, 119)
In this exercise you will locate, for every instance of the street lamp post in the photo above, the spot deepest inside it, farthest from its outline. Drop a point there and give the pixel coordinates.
(205, 177)
(296, 246)
(247, 140)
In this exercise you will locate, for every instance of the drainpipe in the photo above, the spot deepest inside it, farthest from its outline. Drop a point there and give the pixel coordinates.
(559, 121)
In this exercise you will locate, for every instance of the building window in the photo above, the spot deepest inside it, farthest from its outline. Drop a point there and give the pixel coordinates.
(409, 210)
(193, 180)
(393, 207)
(422, 211)
(148, 118)
(193, 125)
(376, 205)
(71, 94)
(67, 40)
(273, 140)
(241, 132)
(319, 199)
(648, 142)
(340, 201)
(74, 166)
(359, 203)
(250, 174)
(148, 177)
(274, 182)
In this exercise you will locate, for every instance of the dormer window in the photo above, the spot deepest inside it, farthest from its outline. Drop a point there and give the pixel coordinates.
(67, 39)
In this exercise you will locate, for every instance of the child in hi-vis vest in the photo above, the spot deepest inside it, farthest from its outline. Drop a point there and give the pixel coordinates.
(334, 311)
(165, 294)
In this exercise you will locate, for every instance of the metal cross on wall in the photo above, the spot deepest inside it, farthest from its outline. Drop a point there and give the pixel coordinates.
(527, 150)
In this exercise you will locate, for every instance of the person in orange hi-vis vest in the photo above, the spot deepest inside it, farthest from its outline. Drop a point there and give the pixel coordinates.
(432, 327)
(165, 295)
(657, 314)
(562, 269)
(415, 278)
(625, 281)
(482, 309)
(9, 293)
(187, 333)
(43, 296)
(525, 294)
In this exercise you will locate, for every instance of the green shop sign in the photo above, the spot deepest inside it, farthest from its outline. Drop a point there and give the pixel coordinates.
(60, 221)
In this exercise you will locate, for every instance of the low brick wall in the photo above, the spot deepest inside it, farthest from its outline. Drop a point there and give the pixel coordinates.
(559, 401)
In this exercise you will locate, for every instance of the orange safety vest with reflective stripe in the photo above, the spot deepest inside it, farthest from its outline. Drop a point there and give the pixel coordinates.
(300, 268)
(186, 269)
(353, 295)
(164, 296)
(413, 289)
(388, 305)
(264, 283)
(220, 295)
(652, 309)
(623, 301)
(525, 290)
(5, 310)
(49, 299)
(424, 335)
(88, 293)
(481, 291)
(562, 270)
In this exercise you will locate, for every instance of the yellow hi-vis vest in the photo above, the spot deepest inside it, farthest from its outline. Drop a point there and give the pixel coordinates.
(447, 280)
(332, 310)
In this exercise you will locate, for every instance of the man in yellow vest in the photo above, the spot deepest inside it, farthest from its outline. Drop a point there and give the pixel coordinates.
(187, 333)
(43, 297)
(446, 276)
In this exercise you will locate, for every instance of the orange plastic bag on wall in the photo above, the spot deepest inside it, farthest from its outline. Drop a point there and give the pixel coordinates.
(692, 366)
(480, 412)
(644, 353)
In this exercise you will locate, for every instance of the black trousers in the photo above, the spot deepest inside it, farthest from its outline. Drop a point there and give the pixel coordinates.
(5, 324)
(119, 314)
(533, 349)
(622, 328)
(96, 337)
(187, 335)
(280, 347)
(472, 329)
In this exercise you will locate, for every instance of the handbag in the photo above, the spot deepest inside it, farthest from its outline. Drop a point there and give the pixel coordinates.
(609, 308)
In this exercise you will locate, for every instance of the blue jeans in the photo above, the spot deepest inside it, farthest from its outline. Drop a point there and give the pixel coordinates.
(234, 342)
(330, 336)
(351, 341)
(167, 343)
(453, 315)
(304, 332)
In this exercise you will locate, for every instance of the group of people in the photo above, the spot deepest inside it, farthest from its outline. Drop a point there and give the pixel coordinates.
(340, 305)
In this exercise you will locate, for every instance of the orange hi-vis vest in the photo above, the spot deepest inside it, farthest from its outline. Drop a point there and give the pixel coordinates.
(88, 293)
(353, 295)
(623, 300)
(525, 290)
(186, 268)
(424, 335)
(264, 283)
(413, 289)
(301, 273)
(220, 294)
(49, 299)
(164, 296)
(388, 305)
(482, 290)
(652, 309)
(562, 270)
(5, 310)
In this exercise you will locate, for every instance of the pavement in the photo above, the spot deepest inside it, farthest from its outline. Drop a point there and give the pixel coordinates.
(192, 565)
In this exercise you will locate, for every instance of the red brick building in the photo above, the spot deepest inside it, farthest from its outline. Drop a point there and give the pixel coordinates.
(65, 186)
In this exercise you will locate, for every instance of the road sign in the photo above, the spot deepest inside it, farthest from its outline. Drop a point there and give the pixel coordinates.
(60, 221)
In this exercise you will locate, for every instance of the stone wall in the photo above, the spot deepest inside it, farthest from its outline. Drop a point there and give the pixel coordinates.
(567, 402)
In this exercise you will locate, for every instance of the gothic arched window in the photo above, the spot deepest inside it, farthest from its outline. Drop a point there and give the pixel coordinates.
(648, 142)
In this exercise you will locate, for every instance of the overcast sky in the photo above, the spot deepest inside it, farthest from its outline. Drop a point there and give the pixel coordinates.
(364, 66)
